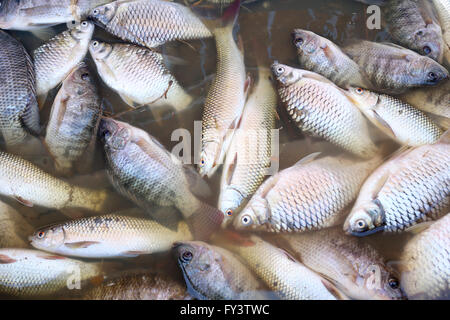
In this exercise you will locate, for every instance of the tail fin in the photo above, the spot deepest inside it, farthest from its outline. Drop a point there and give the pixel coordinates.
(205, 221)
(227, 20)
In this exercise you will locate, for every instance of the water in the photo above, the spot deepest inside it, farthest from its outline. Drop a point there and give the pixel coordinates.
(264, 27)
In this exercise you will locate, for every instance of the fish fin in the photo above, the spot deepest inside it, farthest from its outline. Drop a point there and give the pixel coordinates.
(81, 244)
(51, 257)
(445, 138)
(418, 228)
(133, 253)
(442, 121)
(247, 85)
(197, 185)
(268, 185)
(334, 290)
(387, 128)
(230, 170)
(44, 32)
(288, 255)
(72, 213)
(318, 77)
(307, 159)
(41, 99)
(237, 238)
(4, 259)
(172, 60)
(24, 202)
(230, 15)
(380, 184)
(129, 101)
(328, 53)
(205, 221)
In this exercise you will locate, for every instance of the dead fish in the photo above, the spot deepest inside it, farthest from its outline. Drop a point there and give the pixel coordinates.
(226, 96)
(399, 120)
(320, 109)
(425, 262)
(19, 112)
(145, 172)
(14, 229)
(313, 194)
(214, 273)
(413, 24)
(412, 187)
(356, 268)
(56, 58)
(149, 23)
(443, 12)
(320, 55)
(139, 75)
(249, 157)
(393, 69)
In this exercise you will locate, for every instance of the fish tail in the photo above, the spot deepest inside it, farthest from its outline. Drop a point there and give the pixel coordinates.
(205, 221)
(226, 21)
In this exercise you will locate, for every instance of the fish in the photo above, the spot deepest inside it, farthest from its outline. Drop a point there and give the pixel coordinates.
(443, 12)
(55, 59)
(149, 23)
(226, 96)
(413, 24)
(214, 273)
(139, 75)
(425, 262)
(19, 112)
(29, 185)
(399, 120)
(319, 108)
(108, 236)
(145, 172)
(143, 285)
(31, 273)
(14, 229)
(249, 157)
(314, 193)
(412, 187)
(286, 277)
(74, 119)
(356, 268)
(322, 56)
(393, 69)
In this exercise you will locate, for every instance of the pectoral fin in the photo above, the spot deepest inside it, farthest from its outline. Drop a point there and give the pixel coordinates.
(24, 201)
(81, 244)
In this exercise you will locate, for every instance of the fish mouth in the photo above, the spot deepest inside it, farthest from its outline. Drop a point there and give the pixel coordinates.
(366, 233)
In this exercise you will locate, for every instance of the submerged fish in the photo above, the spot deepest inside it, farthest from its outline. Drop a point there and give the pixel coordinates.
(399, 120)
(356, 268)
(312, 194)
(33, 273)
(393, 69)
(145, 172)
(56, 58)
(109, 236)
(412, 24)
(320, 55)
(19, 112)
(214, 273)
(138, 75)
(149, 23)
(319, 108)
(443, 12)
(14, 229)
(412, 187)
(226, 96)
(425, 263)
(249, 157)
(74, 119)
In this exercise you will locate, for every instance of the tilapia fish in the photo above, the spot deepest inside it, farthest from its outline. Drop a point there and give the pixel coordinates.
(28, 184)
(249, 157)
(443, 11)
(138, 286)
(425, 263)
(74, 119)
(33, 273)
(145, 172)
(149, 23)
(19, 112)
(56, 58)
(412, 187)
(319, 108)
(226, 97)
(399, 120)
(108, 236)
(356, 268)
(393, 69)
(214, 273)
(320, 55)
(413, 24)
(138, 74)
(312, 194)
(14, 229)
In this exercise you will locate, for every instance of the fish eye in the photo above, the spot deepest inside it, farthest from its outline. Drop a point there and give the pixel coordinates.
(85, 76)
(229, 212)
(280, 69)
(420, 32)
(426, 50)
(96, 11)
(298, 41)
(246, 220)
(41, 234)
(187, 256)
(432, 76)
(393, 283)
(360, 90)
(95, 44)
(202, 162)
(84, 24)
(360, 224)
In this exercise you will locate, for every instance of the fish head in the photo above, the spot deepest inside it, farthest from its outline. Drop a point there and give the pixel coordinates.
(379, 281)
(427, 71)
(209, 157)
(255, 214)
(229, 203)
(428, 42)
(9, 11)
(104, 14)
(284, 74)
(194, 257)
(115, 134)
(100, 50)
(362, 98)
(48, 238)
(82, 31)
(305, 41)
(77, 80)
(365, 219)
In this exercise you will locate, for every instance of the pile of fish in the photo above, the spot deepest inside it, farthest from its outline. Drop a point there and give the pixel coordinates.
(128, 219)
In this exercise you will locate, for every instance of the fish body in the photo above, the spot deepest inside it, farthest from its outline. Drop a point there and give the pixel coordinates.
(149, 23)
(397, 119)
(392, 69)
(14, 229)
(425, 263)
(443, 12)
(19, 112)
(310, 195)
(139, 75)
(320, 109)
(55, 59)
(249, 157)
